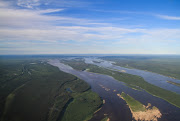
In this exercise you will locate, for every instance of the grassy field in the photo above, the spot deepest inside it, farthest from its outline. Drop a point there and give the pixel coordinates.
(132, 81)
(133, 104)
(32, 90)
(165, 65)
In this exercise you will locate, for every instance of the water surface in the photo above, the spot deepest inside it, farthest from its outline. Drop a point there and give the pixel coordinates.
(115, 108)
(150, 77)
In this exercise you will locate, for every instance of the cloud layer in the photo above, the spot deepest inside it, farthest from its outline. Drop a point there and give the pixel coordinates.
(26, 26)
(169, 17)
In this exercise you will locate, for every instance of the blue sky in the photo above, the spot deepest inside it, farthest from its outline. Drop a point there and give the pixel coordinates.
(89, 27)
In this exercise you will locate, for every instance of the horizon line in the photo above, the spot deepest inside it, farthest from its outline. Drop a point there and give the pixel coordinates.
(77, 54)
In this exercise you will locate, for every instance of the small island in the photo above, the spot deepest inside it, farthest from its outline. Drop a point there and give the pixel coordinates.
(174, 83)
(140, 111)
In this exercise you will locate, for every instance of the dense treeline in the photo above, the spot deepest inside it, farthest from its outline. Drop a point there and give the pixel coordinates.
(32, 90)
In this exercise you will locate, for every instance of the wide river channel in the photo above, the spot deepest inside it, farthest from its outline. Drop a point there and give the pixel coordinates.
(153, 78)
(108, 88)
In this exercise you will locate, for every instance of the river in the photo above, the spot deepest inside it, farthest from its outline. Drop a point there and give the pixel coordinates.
(115, 108)
(150, 77)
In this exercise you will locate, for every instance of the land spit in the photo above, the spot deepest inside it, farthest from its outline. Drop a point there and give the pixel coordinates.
(150, 114)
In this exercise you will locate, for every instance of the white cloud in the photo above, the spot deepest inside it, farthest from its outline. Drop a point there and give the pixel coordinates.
(22, 18)
(31, 4)
(28, 3)
(24, 24)
(63, 34)
(29, 26)
(68, 3)
(152, 37)
(168, 17)
(4, 4)
(50, 10)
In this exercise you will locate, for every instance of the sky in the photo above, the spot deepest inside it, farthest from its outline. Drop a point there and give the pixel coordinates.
(89, 27)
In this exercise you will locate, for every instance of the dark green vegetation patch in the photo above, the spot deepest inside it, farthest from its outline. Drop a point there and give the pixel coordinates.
(36, 91)
(82, 107)
(134, 104)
